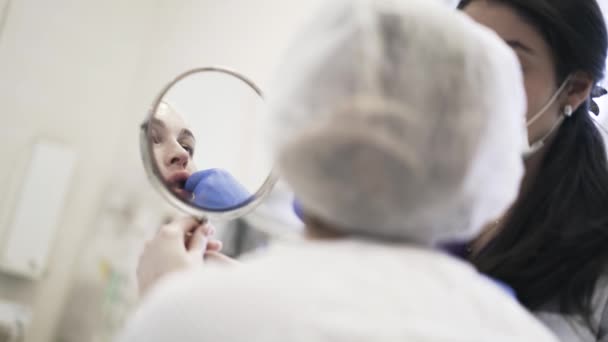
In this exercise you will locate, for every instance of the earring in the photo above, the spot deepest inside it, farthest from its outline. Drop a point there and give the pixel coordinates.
(568, 111)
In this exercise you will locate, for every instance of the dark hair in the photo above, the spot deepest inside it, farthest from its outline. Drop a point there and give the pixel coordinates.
(554, 244)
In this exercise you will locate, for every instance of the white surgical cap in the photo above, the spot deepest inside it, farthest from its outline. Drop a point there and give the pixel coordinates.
(399, 119)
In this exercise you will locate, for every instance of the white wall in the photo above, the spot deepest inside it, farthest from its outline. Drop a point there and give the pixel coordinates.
(66, 73)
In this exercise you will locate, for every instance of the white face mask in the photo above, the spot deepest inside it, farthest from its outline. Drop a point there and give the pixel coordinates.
(538, 144)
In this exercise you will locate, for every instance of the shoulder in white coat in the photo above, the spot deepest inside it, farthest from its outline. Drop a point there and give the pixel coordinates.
(334, 291)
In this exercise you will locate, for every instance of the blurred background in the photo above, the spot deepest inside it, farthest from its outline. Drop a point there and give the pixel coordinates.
(76, 79)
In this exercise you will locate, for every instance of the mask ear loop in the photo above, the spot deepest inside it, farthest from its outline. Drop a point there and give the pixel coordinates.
(567, 112)
(549, 103)
(541, 142)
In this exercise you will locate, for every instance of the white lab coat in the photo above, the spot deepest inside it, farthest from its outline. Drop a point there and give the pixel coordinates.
(335, 291)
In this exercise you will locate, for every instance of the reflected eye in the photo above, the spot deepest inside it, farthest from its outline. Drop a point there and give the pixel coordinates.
(188, 148)
(155, 136)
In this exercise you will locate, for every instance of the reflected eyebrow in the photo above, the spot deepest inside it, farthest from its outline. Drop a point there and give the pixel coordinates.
(158, 122)
(187, 133)
(154, 122)
(517, 45)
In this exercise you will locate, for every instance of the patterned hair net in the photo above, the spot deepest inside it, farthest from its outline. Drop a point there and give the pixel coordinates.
(400, 120)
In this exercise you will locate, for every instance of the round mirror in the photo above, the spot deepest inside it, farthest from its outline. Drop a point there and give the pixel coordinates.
(202, 144)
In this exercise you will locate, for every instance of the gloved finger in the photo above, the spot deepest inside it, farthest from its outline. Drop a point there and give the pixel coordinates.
(228, 181)
(196, 178)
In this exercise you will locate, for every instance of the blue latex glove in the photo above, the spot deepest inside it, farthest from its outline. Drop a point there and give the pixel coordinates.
(216, 189)
(297, 209)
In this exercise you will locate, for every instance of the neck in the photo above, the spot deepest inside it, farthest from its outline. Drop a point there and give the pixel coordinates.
(532, 166)
(491, 230)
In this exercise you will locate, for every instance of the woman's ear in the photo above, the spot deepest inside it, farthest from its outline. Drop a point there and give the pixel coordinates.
(579, 89)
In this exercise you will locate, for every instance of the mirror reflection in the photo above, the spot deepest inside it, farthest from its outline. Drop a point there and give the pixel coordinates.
(199, 133)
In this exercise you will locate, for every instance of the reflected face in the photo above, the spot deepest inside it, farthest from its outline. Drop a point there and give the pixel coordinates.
(173, 148)
(534, 54)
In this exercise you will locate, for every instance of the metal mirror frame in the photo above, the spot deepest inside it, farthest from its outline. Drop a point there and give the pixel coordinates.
(153, 172)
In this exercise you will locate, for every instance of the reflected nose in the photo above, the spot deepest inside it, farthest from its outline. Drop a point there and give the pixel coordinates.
(178, 158)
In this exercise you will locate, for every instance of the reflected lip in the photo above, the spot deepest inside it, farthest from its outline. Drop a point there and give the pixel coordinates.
(177, 181)
(183, 194)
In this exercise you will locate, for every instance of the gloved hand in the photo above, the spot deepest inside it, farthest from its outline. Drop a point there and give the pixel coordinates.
(216, 189)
